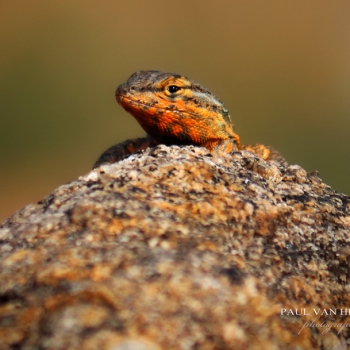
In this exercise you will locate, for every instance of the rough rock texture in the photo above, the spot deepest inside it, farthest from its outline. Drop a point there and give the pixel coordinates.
(175, 249)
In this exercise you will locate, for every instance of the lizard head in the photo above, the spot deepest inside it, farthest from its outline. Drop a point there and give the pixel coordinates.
(173, 109)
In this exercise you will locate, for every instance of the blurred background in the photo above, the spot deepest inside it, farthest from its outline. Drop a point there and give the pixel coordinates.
(282, 68)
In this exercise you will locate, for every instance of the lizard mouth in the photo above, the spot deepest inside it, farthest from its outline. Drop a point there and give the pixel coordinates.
(130, 104)
(133, 101)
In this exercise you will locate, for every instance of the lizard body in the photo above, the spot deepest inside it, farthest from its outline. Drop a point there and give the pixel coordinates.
(174, 110)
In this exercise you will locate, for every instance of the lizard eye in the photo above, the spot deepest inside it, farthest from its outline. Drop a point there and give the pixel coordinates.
(173, 88)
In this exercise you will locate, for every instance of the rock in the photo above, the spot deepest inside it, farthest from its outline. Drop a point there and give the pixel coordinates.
(175, 249)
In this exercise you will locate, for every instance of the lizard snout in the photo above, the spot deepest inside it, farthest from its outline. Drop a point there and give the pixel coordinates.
(120, 90)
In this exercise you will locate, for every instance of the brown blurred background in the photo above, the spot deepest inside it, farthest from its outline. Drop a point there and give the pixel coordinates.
(281, 67)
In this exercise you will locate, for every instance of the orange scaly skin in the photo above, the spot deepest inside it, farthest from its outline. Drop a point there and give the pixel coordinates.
(192, 115)
(174, 110)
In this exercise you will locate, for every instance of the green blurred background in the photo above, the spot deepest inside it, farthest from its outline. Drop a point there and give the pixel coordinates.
(282, 68)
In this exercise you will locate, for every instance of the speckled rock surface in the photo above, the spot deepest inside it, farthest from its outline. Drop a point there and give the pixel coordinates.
(175, 249)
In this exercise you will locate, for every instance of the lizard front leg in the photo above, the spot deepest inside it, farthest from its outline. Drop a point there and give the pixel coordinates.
(265, 152)
(123, 149)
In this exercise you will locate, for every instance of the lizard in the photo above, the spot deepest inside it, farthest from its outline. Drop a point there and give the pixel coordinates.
(174, 110)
